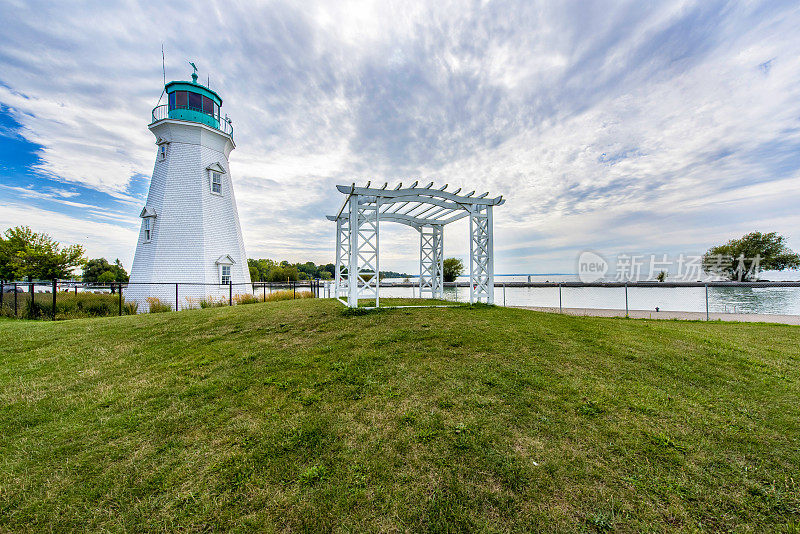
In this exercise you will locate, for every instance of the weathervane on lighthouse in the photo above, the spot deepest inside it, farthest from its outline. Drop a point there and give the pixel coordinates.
(190, 231)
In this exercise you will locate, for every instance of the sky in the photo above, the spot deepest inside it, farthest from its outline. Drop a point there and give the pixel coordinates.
(614, 127)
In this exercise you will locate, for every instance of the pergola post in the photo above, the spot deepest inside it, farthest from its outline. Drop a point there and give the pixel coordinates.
(431, 262)
(471, 258)
(377, 277)
(363, 270)
(490, 254)
(342, 257)
(481, 260)
(352, 266)
(439, 246)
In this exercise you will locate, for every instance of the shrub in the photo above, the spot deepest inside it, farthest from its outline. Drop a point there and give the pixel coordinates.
(68, 306)
(452, 269)
(33, 310)
(208, 302)
(288, 294)
(157, 305)
(245, 298)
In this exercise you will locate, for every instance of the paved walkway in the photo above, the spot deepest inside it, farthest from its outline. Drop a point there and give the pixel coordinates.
(691, 316)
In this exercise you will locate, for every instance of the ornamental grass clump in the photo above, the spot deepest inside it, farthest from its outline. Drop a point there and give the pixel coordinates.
(288, 294)
(208, 302)
(245, 298)
(156, 305)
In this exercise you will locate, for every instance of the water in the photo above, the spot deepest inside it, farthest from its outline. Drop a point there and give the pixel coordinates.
(765, 300)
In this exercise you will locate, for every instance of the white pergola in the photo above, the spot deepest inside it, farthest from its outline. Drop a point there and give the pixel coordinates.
(427, 209)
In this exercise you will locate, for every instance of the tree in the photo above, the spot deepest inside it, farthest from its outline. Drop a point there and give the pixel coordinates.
(252, 266)
(283, 273)
(99, 271)
(742, 259)
(453, 267)
(106, 277)
(25, 253)
(662, 276)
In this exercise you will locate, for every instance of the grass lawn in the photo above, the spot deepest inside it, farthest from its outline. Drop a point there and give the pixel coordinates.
(295, 416)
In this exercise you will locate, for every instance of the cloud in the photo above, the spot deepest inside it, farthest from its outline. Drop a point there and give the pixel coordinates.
(604, 126)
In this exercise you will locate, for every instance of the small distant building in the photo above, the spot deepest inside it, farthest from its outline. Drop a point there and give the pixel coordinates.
(190, 231)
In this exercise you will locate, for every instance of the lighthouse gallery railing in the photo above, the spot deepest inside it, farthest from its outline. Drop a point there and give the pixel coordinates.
(162, 112)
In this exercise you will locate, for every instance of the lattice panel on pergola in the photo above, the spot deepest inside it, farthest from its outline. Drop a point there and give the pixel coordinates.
(366, 243)
(428, 210)
(431, 258)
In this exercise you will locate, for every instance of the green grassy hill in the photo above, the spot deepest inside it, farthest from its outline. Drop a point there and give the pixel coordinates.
(295, 416)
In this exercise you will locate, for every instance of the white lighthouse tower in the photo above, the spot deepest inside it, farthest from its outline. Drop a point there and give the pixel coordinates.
(190, 232)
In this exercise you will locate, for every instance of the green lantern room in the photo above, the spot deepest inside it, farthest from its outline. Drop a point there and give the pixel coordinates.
(191, 101)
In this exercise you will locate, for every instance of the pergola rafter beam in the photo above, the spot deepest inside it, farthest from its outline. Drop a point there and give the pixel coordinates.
(463, 199)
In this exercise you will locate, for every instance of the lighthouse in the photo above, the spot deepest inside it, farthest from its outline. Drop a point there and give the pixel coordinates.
(190, 233)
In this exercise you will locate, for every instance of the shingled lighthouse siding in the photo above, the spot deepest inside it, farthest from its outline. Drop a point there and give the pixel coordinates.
(190, 231)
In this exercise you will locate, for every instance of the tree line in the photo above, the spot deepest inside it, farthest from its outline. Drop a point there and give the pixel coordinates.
(266, 270)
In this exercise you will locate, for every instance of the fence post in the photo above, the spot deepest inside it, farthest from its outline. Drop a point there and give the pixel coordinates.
(31, 291)
(706, 302)
(15, 299)
(626, 299)
(2, 293)
(504, 294)
(294, 290)
(560, 309)
(230, 293)
(119, 289)
(76, 289)
(264, 288)
(55, 289)
(176, 297)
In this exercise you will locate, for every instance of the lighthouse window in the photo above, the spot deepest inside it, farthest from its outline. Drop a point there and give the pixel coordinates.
(225, 274)
(195, 101)
(147, 229)
(216, 183)
(180, 99)
(208, 106)
(162, 152)
(172, 101)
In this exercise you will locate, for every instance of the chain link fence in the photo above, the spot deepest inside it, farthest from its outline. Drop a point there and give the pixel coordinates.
(69, 299)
